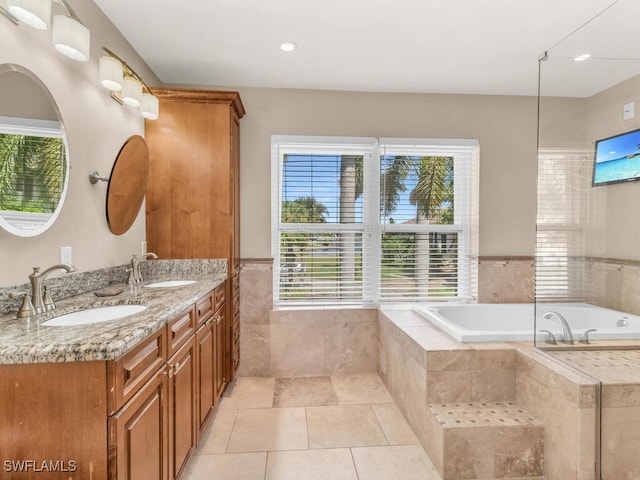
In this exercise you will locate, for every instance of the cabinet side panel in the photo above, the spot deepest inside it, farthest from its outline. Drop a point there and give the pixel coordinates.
(53, 420)
(188, 195)
(160, 137)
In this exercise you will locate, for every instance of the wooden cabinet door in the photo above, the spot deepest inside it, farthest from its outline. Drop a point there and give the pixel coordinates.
(205, 338)
(219, 377)
(182, 406)
(138, 443)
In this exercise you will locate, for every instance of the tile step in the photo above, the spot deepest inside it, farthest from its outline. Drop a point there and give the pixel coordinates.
(482, 440)
(482, 414)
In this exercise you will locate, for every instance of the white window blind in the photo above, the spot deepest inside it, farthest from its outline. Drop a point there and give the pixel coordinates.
(427, 214)
(564, 176)
(362, 220)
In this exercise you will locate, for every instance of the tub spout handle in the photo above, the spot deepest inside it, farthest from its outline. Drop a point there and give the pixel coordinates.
(551, 339)
(585, 336)
(567, 336)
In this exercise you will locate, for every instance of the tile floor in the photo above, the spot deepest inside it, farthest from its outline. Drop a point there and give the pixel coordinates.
(309, 428)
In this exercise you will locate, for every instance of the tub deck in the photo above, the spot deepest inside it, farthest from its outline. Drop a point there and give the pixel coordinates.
(426, 370)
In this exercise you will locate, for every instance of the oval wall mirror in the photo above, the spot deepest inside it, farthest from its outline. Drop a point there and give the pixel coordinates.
(34, 157)
(127, 184)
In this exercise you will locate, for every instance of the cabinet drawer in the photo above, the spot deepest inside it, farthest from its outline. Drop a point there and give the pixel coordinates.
(218, 297)
(204, 308)
(180, 329)
(128, 374)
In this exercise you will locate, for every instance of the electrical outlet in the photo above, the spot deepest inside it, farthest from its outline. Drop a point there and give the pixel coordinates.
(143, 247)
(629, 111)
(65, 255)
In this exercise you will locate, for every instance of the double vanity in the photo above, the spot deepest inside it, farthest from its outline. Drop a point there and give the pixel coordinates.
(120, 386)
(122, 398)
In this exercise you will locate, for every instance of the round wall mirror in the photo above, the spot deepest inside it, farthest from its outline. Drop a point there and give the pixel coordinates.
(127, 184)
(34, 158)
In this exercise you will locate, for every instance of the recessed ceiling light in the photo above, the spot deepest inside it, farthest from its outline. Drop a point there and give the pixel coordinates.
(288, 46)
(582, 58)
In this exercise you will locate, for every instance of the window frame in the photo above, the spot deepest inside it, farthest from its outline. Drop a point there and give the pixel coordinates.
(372, 227)
(30, 224)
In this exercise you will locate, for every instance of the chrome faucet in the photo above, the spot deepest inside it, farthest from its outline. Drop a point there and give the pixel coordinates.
(566, 330)
(40, 302)
(135, 277)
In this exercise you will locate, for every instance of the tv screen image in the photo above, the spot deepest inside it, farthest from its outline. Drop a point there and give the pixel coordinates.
(617, 159)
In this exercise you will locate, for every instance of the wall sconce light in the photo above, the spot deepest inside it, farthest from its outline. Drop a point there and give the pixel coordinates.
(149, 106)
(35, 13)
(70, 36)
(126, 86)
(131, 91)
(111, 74)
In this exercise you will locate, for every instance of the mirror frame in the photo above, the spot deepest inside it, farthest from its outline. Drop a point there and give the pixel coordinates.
(11, 67)
(127, 184)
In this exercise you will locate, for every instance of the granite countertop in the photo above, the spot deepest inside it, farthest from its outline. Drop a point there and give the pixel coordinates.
(28, 341)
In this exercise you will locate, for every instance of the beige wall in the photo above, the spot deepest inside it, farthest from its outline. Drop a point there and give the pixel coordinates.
(96, 127)
(504, 126)
(614, 225)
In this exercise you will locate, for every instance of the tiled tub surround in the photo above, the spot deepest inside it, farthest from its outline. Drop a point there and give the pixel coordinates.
(613, 283)
(422, 366)
(300, 342)
(269, 339)
(27, 341)
(506, 279)
(428, 373)
(619, 372)
(310, 342)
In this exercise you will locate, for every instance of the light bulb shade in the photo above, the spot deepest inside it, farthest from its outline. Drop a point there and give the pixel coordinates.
(149, 106)
(71, 38)
(111, 73)
(131, 92)
(36, 13)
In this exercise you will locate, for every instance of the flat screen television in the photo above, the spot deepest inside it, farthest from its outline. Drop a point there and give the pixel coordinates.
(617, 159)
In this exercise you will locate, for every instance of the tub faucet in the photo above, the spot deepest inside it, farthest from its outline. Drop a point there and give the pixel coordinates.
(38, 303)
(566, 330)
(135, 277)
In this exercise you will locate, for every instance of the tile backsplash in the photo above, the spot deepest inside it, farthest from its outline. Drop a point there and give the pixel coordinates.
(72, 284)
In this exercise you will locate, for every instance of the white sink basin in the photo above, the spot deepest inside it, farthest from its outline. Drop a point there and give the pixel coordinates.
(94, 315)
(170, 283)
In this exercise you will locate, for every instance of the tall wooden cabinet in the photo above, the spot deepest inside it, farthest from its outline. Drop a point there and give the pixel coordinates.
(193, 192)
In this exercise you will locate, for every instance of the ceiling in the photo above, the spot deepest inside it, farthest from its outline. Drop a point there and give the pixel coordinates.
(435, 46)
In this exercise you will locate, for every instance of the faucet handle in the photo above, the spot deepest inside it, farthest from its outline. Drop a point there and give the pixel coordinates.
(26, 309)
(130, 278)
(47, 300)
(585, 335)
(550, 337)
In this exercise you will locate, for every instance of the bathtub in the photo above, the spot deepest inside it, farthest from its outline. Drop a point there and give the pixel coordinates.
(514, 322)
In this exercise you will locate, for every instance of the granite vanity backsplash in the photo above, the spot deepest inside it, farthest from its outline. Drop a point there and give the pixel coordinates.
(72, 284)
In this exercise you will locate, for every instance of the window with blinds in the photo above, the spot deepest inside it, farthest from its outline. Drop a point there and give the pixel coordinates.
(364, 220)
(564, 177)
